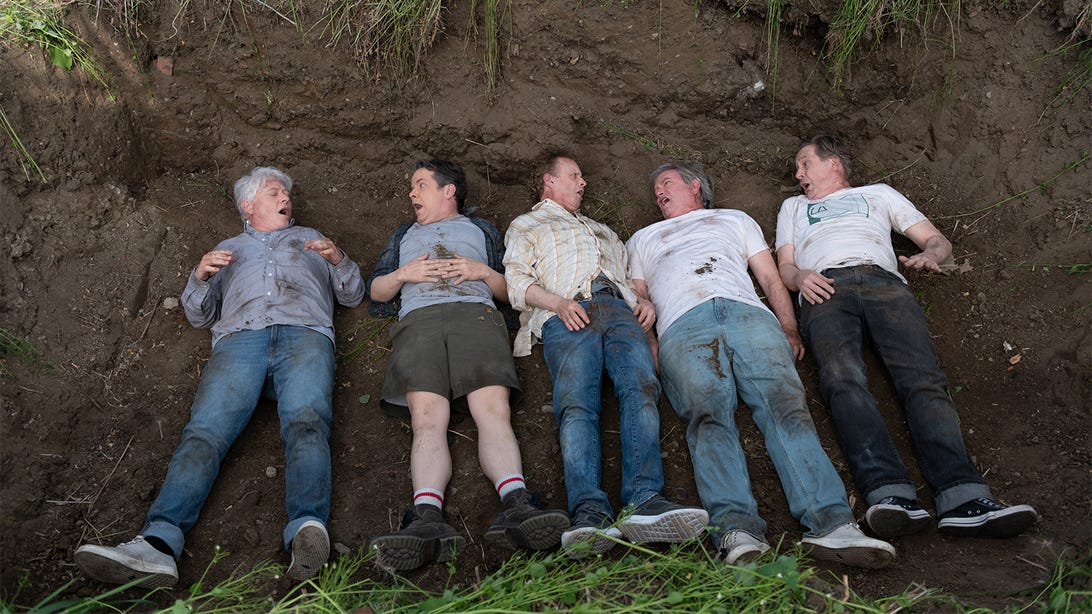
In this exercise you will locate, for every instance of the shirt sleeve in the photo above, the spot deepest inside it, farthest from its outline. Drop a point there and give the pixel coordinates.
(519, 272)
(754, 241)
(201, 300)
(901, 212)
(636, 265)
(387, 264)
(786, 227)
(348, 284)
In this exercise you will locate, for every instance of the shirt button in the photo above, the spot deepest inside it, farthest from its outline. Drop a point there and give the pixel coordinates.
(269, 294)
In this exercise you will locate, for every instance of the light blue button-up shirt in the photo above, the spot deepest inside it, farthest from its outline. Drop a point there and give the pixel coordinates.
(272, 280)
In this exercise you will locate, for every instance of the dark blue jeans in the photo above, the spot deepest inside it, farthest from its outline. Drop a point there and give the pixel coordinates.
(291, 364)
(576, 359)
(869, 301)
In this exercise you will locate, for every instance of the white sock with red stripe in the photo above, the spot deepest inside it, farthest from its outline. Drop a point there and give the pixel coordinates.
(509, 483)
(428, 496)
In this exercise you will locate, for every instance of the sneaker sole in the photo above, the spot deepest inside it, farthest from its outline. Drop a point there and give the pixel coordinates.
(855, 556)
(893, 521)
(586, 541)
(744, 554)
(104, 568)
(310, 551)
(538, 533)
(669, 528)
(1008, 522)
(406, 552)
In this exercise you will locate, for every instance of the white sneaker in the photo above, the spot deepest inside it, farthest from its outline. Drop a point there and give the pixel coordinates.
(740, 545)
(310, 550)
(847, 544)
(126, 562)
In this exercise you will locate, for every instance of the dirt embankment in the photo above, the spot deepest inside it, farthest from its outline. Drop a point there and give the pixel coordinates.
(137, 191)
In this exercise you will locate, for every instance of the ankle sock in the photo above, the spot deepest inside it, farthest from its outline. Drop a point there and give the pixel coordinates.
(509, 483)
(428, 496)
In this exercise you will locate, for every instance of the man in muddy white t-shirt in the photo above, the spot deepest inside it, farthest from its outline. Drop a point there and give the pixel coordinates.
(718, 342)
(834, 247)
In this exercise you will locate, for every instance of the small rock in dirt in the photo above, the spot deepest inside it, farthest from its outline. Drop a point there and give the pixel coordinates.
(170, 303)
(252, 536)
(271, 472)
(341, 548)
(547, 409)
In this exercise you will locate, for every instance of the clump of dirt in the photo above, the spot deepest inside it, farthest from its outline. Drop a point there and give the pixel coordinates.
(138, 189)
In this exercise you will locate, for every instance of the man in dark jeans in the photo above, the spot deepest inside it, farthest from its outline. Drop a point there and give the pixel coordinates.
(834, 247)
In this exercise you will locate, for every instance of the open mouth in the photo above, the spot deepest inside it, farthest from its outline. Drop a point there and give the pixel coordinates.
(284, 211)
(663, 201)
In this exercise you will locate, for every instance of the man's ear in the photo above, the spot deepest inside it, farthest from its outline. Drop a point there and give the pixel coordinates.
(247, 207)
(449, 190)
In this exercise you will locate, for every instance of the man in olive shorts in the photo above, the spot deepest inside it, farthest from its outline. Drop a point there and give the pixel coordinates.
(451, 343)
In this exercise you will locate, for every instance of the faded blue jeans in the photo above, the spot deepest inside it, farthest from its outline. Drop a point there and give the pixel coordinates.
(871, 302)
(716, 353)
(615, 341)
(290, 364)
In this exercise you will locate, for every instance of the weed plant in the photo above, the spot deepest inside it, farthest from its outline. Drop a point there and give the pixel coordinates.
(494, 12)
(38, 22)
(27, 163)
(14, 347)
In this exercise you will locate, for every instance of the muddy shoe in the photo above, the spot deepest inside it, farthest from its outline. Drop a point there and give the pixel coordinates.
(896, 516)
(522, 524)
(589, 534)
(127, 562)
(848, 545)
(310, 550)
(423, 538)
(661, 521)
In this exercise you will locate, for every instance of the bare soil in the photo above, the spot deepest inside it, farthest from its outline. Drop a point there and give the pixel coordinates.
(138, 189)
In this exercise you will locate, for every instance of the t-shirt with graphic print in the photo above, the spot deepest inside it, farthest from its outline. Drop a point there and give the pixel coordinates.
(850, 227)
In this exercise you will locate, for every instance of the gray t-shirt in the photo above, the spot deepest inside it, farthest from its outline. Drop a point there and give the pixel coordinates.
(450, 237)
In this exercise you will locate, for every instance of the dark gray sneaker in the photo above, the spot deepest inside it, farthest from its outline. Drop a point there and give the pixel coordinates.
(126, 562)
(984, 517)
(589, 534)
(661, 521)
(895, 516)
(522, 524)
(424, 537)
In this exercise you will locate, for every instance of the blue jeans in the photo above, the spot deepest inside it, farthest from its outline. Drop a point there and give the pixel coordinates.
(576, 360)
(716, 353)
(870, 301)
(290, 364)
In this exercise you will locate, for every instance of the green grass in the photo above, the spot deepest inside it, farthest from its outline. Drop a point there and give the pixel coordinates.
(37, 22)
(682, 579)
(1077, 78)
(14, 347)
(858, 21)
(494, 12)
(26, 160)
(772, 32)
(365, 338)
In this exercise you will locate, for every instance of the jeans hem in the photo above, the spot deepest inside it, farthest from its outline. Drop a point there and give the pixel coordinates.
(170, 534)
(955, 496)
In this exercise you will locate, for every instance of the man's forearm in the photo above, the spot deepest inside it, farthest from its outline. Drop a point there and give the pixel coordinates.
(537, 296)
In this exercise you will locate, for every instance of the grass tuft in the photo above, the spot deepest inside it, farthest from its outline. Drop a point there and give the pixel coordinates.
(27, 161)
(14, 347)
(494, 12)
(858, 21)
(38, 22)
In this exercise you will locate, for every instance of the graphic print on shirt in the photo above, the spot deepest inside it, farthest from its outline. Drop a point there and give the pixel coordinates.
(843, 206)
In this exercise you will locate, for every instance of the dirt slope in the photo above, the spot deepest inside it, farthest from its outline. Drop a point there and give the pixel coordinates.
(138, 191)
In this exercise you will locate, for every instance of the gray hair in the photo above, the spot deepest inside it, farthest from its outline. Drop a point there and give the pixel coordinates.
(248, 185)
(827, 147)
(689, 172)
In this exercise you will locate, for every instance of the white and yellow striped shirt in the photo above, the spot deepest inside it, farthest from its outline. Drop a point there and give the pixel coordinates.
(562, 252)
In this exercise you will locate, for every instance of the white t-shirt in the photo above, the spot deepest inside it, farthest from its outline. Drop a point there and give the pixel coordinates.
(849, 227)
(695, 257)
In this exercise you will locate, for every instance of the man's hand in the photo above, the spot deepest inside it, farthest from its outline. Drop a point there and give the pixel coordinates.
(646, 314)
(464, 269)
(795, 342)
(921, 261)
(212, 262)
(572, 315)
(421, 270)
(814, 287)
(325, 248)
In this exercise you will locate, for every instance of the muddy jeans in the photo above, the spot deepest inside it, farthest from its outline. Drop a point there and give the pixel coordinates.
(291, 364)
(869, 301)
(714, 354)
(576, 359)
